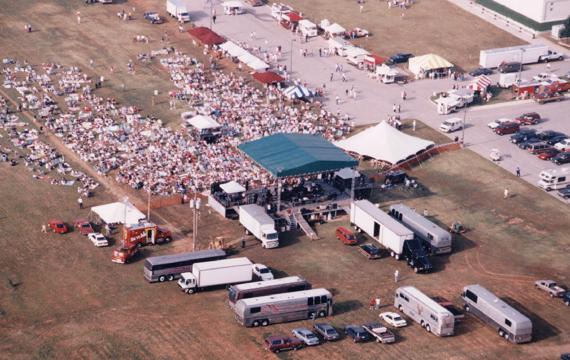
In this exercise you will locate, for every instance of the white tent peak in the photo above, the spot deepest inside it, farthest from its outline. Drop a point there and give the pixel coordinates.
(232, 187)
(202, 122)
(384, 142)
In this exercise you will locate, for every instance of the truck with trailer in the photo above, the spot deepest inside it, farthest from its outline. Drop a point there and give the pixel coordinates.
(169, 267)
(216, 273)
(397, 238)
(265, 288)
(256, 221)
(508, 322)
(437, 239)
(278, 308)
(525, 54)
(177, 9)
(429, 314)
(137, 236)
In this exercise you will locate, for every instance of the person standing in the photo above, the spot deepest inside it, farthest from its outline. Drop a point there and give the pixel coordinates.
(44, 228)
(518, 170)
(414, 125)
(506, 193)
(404, 95)
(377, 302)
(337, 100)
(78, 13)
(332, 76)
(396, 276)
(80, 202)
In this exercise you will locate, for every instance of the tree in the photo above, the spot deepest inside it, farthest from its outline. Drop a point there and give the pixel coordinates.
(565, 33)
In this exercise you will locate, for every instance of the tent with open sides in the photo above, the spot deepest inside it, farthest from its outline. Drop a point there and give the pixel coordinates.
(429, 62)
(232, 187)
(118, 213)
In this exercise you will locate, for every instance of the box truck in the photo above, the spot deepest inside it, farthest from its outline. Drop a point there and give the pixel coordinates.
(509, 79)
(256, 221)
(525, 54)
(216, 273)
(178, 10)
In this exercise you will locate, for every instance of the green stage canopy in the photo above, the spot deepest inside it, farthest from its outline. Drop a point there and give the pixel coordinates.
(289, 155)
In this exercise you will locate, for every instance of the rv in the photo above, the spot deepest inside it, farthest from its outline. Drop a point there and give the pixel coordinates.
(509, 323)
(437, 239)
(264, 288)
(430, 315)
(554, 179)
(272, 309)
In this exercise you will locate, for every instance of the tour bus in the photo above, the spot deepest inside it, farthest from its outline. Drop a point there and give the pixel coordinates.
(508, 322)
(272, 309)
(264, 288)
(424, 310)
(169, 267)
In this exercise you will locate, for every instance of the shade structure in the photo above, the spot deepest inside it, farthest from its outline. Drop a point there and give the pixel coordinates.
(384, 142)
(288, 155)
(268, 77)
(427, 63)
(202, 122)
(206, 36)
(232, 187)
(118, 213)
(298, 92)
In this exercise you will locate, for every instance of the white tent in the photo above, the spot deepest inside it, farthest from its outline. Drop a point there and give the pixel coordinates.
(202, 122)
(232, 187)
(335, 29)
(116, 213)
(298, 92)
(244, 56)
(427, 63)
(385, 143)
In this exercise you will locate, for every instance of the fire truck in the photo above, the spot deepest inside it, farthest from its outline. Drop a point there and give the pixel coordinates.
(137, 236)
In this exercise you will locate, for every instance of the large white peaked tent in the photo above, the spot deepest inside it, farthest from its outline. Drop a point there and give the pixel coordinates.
(117, 212)
(384, 142)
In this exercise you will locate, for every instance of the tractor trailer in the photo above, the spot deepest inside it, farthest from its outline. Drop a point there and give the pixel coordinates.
(525, 54)
(256, 221)
(216, 273)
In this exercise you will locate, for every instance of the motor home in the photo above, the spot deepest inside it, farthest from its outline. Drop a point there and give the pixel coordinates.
(554, 179)
(437, 240)
(451, 125)
(509, 323)
(425, 311)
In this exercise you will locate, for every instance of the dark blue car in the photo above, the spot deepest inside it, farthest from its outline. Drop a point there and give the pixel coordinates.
(357, 333)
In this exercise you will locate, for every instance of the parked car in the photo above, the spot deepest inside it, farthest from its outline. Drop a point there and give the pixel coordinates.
(357, 333)
(399, 58)
(83, 226)
(548, 154)
(98, 239)
(393, 319)
(262, 272)
(481, 71)
(278, 343)
(58, 226)
(566, 298)
(522, 135)
(563, 145)
(510, 67)
(495, 123)
(538, 147)
(327, 331)
(306, 336)
(565, 356)
(153, 17)
(555, 140)
(551, 287)
(530, 118)
(562, 158)
(564, 193)
(507, 128)
(549, 134)
(525, 145)
(256, 2)
(346, 236)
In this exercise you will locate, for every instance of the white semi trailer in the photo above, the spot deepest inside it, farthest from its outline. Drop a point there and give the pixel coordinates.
(178, 10)
(216, 273)
(256, 221)
(526, 54)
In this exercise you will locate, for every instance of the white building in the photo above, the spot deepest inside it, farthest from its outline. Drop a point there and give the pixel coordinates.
(541, 11)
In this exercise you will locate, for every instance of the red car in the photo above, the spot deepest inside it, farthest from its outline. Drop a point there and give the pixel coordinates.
(58, 226)
(530, 118)
(507, 128)
(346, 236)
(548, 154)
(83, 226)
(279, 343)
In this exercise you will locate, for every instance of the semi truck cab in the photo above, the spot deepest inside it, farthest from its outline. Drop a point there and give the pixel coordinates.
(270, 237)
(187, 282)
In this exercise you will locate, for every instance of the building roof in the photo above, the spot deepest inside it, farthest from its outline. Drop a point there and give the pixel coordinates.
(287, 155)
(206, 36)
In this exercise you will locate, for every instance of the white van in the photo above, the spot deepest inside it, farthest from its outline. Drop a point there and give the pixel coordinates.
(451, 125)
(307, 28)
(554, 179)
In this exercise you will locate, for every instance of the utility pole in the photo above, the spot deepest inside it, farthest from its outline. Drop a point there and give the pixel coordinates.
(195, 206)
(291, 55)
(463, 127)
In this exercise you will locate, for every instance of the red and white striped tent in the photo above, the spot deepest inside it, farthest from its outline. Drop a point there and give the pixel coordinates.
(481, 83)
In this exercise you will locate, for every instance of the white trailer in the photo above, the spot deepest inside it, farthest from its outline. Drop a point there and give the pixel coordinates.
(215, 273)
(178, 10)
(526, 54)
(507, 80)
(256, 221)
(554, 179)
(380, 226)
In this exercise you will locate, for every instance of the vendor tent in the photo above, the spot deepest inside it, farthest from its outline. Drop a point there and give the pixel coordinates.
(385, 143)
(481, 83)
(244, 56)
(202, 122)
(117, 213)
(428, 62)
(232, 187)
(298, 92)
(335, 29)
(268, 77)
(206, 36)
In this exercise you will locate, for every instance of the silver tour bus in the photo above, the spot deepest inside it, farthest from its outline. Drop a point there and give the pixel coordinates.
(264, 288)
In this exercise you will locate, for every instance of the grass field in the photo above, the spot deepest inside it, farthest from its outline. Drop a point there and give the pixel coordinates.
(71, 301)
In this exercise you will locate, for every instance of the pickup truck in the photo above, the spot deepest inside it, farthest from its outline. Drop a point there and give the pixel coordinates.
(543, 98)
(551, 56)
(551, 287)
(380, 333)
(370, 251)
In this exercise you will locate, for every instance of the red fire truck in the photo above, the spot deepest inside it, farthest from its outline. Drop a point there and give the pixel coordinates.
(137, 236)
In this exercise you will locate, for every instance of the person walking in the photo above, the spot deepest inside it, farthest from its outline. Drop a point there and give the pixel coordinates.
(377, 302)
(414, 125)
(80, 202)
(506, 193)
(394, 108)
(332, 76)
(518, 171)
(344, 77)
(399, 108)
(404, 95)
(44, 228)
(214, 18)
(337, 99)
(396, 276)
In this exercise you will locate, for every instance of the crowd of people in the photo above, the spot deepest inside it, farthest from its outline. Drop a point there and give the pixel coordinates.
(118, 141)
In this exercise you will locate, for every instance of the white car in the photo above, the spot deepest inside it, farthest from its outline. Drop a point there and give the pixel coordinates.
(495, 124)
(563, 145)
(393, 319)
(306, 336)
(451, 125)
(262, 272)
(98, 239)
